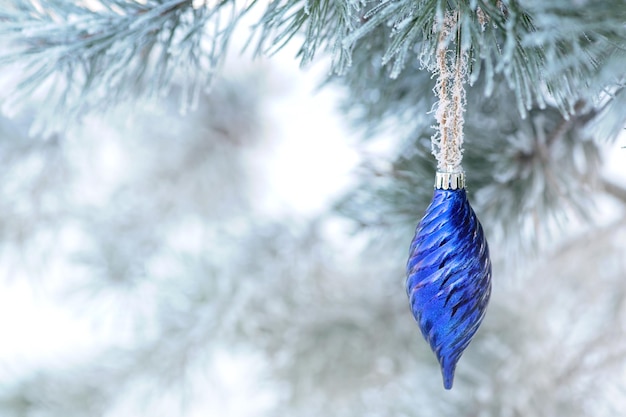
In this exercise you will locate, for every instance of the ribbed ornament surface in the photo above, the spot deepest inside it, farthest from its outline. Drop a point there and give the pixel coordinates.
(449, 277)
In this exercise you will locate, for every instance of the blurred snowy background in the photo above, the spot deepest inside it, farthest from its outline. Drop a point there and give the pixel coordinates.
(155, 263)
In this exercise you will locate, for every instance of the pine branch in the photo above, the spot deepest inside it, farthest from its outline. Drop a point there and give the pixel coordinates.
(94, 56)
(518, 170)
(616, 191)
(323, 23)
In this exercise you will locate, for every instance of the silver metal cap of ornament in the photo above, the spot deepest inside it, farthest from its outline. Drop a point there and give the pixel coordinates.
(450, 180)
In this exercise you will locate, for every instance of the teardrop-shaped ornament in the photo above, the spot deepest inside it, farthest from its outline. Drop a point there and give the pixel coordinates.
(449, 273)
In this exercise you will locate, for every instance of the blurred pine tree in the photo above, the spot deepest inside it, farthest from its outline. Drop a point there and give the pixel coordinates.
(192, 268)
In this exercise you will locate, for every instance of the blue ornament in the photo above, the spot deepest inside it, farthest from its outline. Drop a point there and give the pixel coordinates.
(449, 273)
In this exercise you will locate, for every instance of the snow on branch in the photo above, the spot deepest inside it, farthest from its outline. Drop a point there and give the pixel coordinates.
(102, 52)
